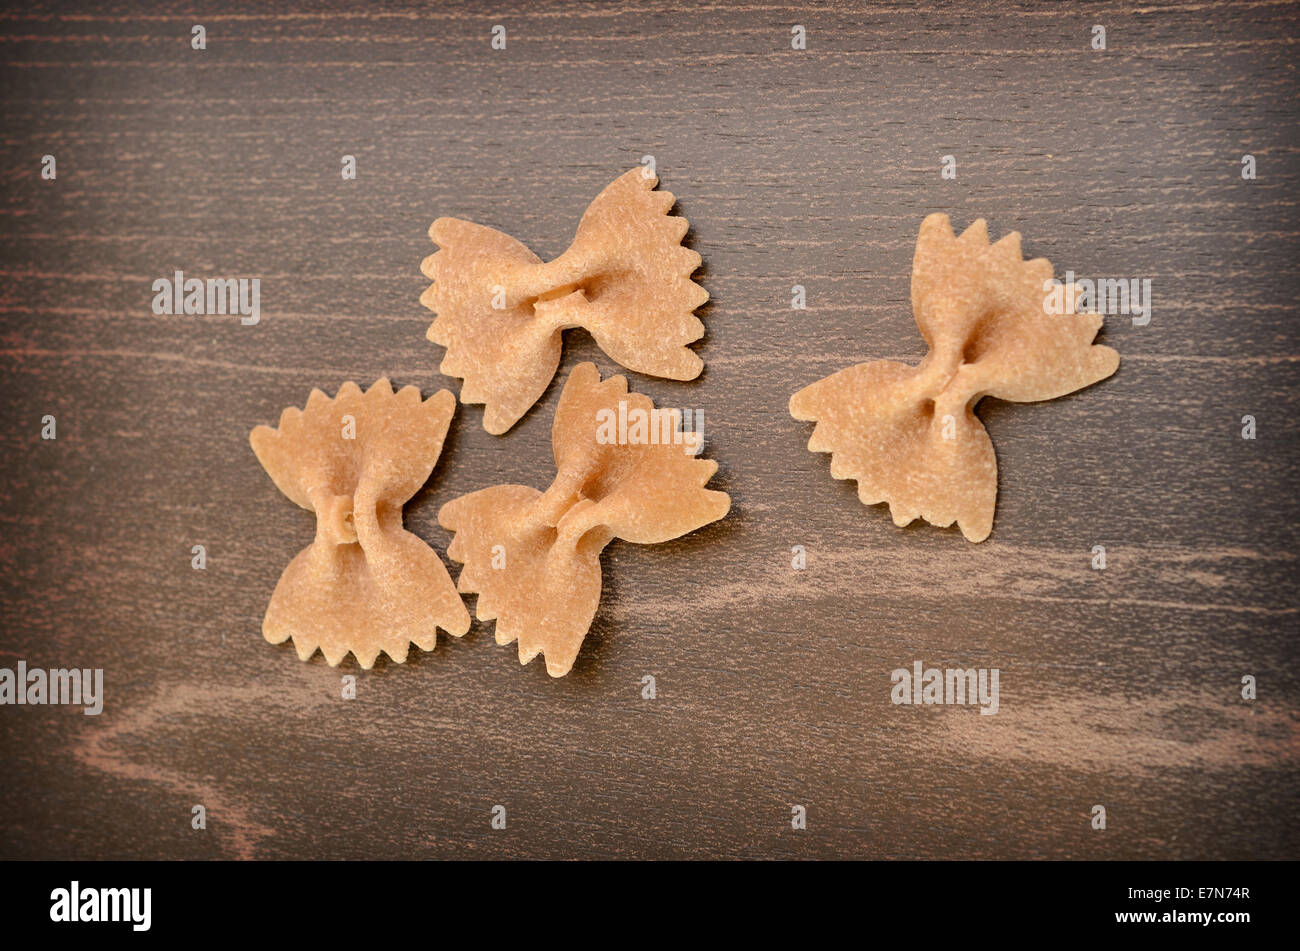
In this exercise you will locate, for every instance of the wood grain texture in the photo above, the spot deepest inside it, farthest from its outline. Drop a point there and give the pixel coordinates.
(815, 167)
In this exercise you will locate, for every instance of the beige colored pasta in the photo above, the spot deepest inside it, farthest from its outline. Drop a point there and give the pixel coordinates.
(534, 557)
(909, 435)
(365, 584)
(501, 312)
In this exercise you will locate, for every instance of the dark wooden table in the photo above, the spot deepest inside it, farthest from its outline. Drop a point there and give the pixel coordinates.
(1119, 687)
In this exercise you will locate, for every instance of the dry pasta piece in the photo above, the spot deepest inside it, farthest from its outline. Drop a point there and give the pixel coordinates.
(501, 311)
(365, 584)
(534, 557)
(909, 435)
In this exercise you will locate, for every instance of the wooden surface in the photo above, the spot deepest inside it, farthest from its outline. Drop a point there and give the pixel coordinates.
(1118, 687)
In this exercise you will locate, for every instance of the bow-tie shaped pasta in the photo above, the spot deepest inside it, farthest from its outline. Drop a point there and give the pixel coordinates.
(501, 311)
(365, 584)
(534, 557)
(909, 435)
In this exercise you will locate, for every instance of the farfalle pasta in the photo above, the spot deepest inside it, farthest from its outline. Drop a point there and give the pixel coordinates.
(534, 557)
(365, 584)
(909, 435)
(501, 312)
